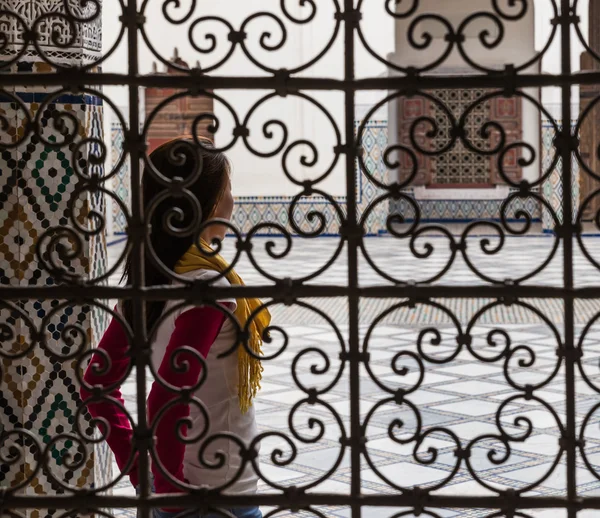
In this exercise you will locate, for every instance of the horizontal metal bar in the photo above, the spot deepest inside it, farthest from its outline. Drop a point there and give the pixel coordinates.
(167, 292)
(477, 291)
(408, 499)
(281, 292)
(196, 81)
(500, 81)
(189, 81)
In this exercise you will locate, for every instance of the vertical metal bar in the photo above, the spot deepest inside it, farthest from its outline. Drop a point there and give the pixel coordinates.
(136, 235)
(567, 234)
(353, 243)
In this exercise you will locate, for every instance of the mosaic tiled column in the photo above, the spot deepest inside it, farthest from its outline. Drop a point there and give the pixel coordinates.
(39, 392)
(552, 189)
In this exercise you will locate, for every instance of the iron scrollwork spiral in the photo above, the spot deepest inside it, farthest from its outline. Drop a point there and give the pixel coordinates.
(54, 33)
(425, 139)
(407, 423)
(491, 23)
(276, 134)
(269, 41)
(306, 418)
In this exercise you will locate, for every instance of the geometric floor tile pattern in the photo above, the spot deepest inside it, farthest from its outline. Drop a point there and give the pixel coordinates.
(395, 258)
(518, 257)
(463, 396)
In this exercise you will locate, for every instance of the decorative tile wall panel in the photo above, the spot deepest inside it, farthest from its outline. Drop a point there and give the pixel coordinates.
(39, 391)
(552, 188)
(86, 47)
(251, 210)
(464, 210)
(121, 181)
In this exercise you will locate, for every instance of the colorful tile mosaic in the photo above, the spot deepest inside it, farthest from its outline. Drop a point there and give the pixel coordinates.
(464, 210)
(121, 181)
(84, 48)
(43, 198)
(40, 390)
(552, 188)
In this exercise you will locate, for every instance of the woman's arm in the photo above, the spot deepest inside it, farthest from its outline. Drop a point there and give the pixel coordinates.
(197, 328)
(115, 344)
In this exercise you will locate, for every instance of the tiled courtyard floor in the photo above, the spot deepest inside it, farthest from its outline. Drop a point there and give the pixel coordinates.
(461, 395)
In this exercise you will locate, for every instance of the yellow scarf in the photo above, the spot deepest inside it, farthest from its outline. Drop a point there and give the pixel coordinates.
(249, 368)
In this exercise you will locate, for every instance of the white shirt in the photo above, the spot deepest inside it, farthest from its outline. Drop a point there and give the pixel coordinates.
(219, 394)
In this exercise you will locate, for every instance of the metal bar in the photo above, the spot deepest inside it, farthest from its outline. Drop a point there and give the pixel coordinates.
(567, 236)
(136, 235)
(191, 81)
(353, 242)
(84, 293)
(408, 499)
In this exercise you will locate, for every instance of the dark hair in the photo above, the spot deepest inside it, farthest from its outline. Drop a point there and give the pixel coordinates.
(180, 158)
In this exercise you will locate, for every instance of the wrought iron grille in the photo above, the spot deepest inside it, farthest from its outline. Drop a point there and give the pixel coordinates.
(51, 312)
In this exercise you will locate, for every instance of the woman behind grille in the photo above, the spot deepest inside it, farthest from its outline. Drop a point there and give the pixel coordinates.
(231, 381)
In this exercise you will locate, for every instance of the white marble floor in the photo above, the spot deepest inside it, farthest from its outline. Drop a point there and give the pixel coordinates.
(464, 393)
(385, 260)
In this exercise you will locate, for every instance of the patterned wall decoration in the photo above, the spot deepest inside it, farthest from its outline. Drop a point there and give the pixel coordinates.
(463, 211)
(250, 210)
(552, 188)
(85, 48)
(121, 181)
(469, 210)
(39, 392)
(459, 166)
